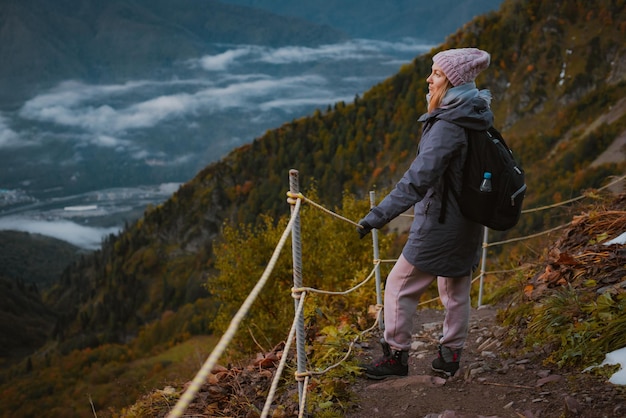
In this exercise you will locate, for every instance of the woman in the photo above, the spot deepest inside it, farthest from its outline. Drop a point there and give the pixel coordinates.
(445, 250)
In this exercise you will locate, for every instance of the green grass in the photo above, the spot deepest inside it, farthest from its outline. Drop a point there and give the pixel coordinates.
(175, 366)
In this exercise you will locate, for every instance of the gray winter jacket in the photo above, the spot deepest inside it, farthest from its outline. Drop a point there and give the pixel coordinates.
(450, 248)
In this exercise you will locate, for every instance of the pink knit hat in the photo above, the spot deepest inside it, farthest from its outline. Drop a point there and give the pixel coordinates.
(462, 65)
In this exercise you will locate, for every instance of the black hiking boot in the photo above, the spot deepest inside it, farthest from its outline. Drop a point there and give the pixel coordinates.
(391, 363)
(447, 361)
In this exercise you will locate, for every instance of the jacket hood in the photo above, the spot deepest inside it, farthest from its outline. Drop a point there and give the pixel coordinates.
(465, 106)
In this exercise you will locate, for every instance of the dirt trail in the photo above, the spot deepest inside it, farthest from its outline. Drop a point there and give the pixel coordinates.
(493, 381)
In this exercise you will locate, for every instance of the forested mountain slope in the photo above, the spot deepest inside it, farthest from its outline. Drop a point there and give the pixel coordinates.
(557, 70)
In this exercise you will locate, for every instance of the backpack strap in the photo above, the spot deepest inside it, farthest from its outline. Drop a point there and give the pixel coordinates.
(446, 185)
(444, 200)
(444, 197)
(447, 189)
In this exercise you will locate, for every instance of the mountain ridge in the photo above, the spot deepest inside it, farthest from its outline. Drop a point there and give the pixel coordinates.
(377, 20)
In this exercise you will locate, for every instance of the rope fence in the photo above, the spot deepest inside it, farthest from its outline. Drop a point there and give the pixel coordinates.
(299, 292)
(219, 349)
(283, 360)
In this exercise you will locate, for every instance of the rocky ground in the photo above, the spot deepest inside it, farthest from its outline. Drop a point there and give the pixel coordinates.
(494, 381)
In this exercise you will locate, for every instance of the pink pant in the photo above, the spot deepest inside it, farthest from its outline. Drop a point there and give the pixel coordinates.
(405, 284)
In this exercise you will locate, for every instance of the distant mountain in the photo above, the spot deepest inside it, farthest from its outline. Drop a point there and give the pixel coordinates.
(388, 20)
(44, 42)
(25, 321)
(33, 258)
(29, 264)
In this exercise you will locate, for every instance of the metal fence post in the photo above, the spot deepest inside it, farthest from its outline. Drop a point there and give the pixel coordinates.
(379, 297)
(296, 245)
(483, 267)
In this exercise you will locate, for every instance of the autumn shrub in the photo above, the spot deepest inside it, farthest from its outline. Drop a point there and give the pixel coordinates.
(333, 259)
(572, 310)
(579, 328)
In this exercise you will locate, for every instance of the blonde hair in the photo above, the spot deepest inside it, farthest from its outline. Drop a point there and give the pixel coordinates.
(437, 98)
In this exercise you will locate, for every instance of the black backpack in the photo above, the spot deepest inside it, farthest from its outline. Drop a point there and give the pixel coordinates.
(501, 208)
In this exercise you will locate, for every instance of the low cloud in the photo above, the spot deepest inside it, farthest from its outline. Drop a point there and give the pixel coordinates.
(222, 61)
(358, 49)
(301, 101)
(59, 220)
(86, 106)
(260, 83)
(110, 112)
(108, 141)
(256, 87)
(89, 238)
(8, 137)
(75, 105)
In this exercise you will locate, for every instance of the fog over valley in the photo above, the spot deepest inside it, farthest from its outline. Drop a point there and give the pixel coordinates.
(75, 139)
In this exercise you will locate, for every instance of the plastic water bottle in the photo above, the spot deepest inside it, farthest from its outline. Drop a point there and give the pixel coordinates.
(485, 186)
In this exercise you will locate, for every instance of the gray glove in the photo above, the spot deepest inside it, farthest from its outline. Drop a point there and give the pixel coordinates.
(363, 229)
